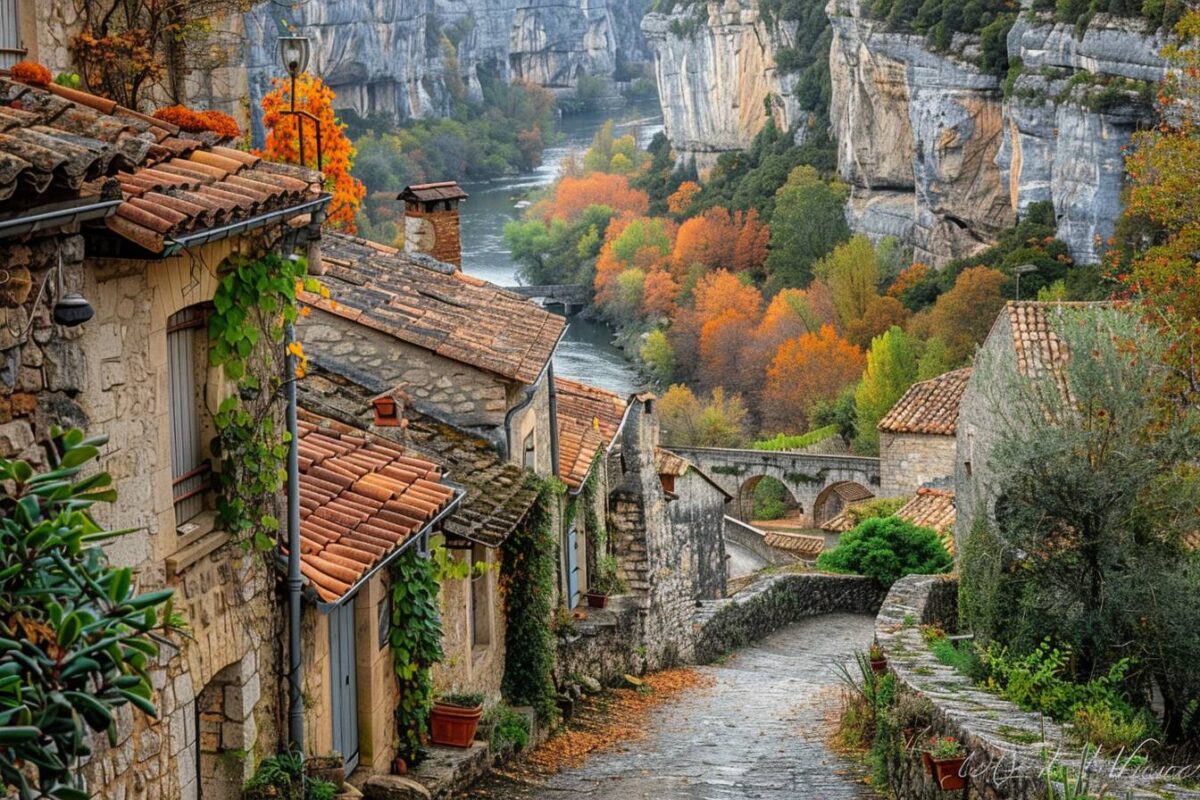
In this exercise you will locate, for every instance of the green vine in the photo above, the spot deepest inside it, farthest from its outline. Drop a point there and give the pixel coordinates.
(416, 641)
(254, 301)
(528, 578)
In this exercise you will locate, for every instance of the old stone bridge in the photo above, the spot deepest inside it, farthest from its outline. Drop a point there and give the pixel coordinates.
(570, 297)
(820, 484)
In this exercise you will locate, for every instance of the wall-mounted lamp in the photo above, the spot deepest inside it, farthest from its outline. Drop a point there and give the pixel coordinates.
(71, 309)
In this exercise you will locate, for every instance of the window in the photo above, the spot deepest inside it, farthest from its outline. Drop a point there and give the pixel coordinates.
(11, 50)
(530, 452)
(480, 600)
(187, 365)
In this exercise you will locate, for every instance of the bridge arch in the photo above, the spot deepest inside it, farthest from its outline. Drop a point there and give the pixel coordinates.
(749, 492)
(807, 476)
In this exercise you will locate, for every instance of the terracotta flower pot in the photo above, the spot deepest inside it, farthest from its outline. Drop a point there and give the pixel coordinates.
(927, 760)
(879, 666)
(946, 773)
(453, 726)
(597, 600)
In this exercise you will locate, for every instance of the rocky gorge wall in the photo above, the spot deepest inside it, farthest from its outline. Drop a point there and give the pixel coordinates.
(717, 79)
(388, 57)
(935, 152)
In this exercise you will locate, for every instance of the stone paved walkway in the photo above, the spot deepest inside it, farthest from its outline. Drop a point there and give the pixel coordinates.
(757, 733)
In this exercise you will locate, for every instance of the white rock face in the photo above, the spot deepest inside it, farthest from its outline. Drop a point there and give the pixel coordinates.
(386, 56)
(934, 152)
(717, 80)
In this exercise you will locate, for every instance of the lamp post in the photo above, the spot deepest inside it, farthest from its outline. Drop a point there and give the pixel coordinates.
(294, 52)
(1023, 269)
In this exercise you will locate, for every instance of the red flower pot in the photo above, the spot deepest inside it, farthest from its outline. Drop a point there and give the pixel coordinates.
(879, 666)
(597, 600)
(946, 773)
(927, 760)
(453, 726)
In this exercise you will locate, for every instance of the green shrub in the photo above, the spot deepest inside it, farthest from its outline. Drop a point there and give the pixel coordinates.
(281, 777)
(771, 499)
(785, 441)
(508, 727)
(964, 658)
(887, 549)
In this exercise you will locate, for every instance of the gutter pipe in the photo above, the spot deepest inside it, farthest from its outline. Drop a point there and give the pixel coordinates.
(529, 394)
(294, 583)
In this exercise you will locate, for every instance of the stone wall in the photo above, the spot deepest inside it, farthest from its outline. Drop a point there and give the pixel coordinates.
(725, 625)
(909, 461)
(605, 647)
(698, 517)
(473, 662)
(438, 386)
(1005, 745)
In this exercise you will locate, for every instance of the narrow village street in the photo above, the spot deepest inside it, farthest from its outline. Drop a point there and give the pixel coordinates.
(758, 732)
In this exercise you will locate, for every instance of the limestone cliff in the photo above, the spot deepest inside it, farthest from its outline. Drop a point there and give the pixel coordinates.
(938, 152)
(389, 56)
(717, 77)
(938, 155)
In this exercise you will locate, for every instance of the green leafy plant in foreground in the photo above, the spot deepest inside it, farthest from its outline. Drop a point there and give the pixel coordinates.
(76, 638)
(281, 777)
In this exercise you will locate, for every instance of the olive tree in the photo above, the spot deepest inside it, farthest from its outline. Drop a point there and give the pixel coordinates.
(76, 637)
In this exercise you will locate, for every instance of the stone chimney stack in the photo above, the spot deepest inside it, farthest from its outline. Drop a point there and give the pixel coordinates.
(431, 220)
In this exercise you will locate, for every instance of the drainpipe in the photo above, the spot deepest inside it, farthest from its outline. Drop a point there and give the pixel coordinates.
(530, 393)
(294, 584)
(553, 421)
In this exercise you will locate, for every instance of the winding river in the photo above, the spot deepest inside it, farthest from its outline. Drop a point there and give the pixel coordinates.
(587, 352)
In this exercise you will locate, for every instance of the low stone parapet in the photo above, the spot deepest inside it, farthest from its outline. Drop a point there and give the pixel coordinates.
(1009, 749)
(764, 607)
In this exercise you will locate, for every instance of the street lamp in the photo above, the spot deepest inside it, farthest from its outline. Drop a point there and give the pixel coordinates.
(294, 52)
(1023, 269)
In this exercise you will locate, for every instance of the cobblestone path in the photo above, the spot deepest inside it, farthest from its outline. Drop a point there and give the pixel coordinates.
(757, 733)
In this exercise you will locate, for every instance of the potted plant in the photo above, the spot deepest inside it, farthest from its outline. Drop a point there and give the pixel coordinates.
(878, 659)
(454, 718)
(606, 584)
(944, 758)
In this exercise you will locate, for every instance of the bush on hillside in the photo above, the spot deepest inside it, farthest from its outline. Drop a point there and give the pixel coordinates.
(887, 549)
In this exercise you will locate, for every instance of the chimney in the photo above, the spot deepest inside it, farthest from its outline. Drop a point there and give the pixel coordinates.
(431, 220)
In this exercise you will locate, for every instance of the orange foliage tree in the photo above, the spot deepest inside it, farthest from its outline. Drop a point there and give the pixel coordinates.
(576, 193)
(963, 316)
(679, 202)
(806, 370)
(882, 313)
(642, 242)
(283, 143)
(723, 342)
(750, 251)
(717, 294)
(707, 240)
(661, 296)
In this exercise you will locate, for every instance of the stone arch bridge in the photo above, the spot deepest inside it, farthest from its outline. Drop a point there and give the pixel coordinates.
(820, 484)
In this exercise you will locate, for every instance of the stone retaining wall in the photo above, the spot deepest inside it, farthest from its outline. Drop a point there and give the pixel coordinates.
(722, 626)
(1005, 744)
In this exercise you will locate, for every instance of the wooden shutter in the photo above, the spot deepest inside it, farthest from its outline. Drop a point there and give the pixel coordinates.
(10, 33)
(189, 469)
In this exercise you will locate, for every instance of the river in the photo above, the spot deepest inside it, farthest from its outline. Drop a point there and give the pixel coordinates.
(587, 352)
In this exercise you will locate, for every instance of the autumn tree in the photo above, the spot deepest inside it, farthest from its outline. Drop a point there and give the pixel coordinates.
(752, 248)
(717, 294)
(613, 154)
(852, 272)
(128, 50)
(661, 296)
(882, 313)
(892, 366)
(688, 421)
(1160, 230)
(963, 316)
(680, 201)
(337, 156)
(804, 371)
(708, 240)
(574, 195)
(643, 243)
(723, 343)
(808, 222)
(658, 356)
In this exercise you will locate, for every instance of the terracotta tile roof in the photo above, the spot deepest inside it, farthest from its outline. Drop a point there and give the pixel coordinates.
(361, 498)
(58, 144)
(841, 523)
(806, 547)
(929, 406)
(427, 192)
(498, 494)
(851, 492)
(454, 315)
(588, 420)
(933, 509)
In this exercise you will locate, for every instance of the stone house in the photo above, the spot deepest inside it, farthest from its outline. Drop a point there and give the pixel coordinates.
(917, 436)
(1026, 340)
(589, 419)
(364, 501)
(141, 219)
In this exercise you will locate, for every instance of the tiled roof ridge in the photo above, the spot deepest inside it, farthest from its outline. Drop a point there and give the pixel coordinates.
(929, 406)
